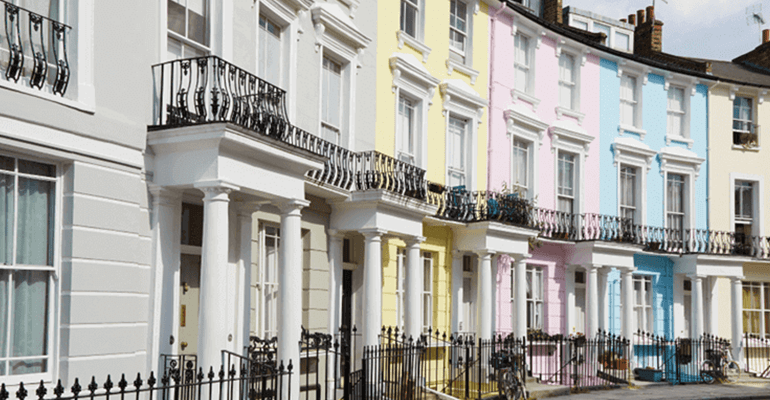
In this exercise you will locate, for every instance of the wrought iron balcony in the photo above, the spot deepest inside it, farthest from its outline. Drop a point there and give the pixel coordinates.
(34, 50)
(745, 134)
(203, 90)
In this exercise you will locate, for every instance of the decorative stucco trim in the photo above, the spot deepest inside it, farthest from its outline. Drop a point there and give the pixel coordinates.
(460, 67)
(416, 44)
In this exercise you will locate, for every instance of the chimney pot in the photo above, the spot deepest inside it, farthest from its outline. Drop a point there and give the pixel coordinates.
(766, 36)
(632, 19)
(640, 17)
(623, 20)
(650, 13)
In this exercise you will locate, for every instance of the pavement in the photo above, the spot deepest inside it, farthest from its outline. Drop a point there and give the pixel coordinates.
(745, 390)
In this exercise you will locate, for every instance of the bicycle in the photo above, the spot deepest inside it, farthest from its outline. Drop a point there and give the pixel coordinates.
(719, 366)
(510, 376)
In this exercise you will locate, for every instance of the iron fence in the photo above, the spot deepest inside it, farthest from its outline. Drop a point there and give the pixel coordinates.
(41, 43)
(756, 354)
(679, 360)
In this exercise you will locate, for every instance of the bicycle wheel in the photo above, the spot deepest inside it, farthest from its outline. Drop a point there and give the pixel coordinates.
(509, 385)
(732, 371)
(519, 393)
(708, 372)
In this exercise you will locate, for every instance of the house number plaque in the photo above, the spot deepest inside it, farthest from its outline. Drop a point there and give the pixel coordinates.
(183, 316)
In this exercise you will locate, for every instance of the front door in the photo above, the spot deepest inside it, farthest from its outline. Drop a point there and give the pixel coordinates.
(347, 319)
(189, 289)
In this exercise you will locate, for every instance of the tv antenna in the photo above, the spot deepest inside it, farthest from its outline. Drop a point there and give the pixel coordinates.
(754, 16)
(653, 5)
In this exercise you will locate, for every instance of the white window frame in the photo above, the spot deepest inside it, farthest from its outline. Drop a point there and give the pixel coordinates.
(686, 210)
(635, 103)
(54, 271)
(613, 31)
(688, 86)
(536, 301)
(524, 126)
(576, 181)
(460, 103)
(416, 41)
(630, 152)
(579, 55)
(427, 295)
(636, 191)
(341, 41)
(400, 282)
(262, 58)
(648, 312)
(267, 318)
(326, 125)
(568, 138)
(764, 331)
(402, 137)
(573, 83)
(466, 65)
(672, 161)
(465, 168)
(525, 187)
(580, 324)
(757, 183)
(467, 320)
(641, 73)
(413, 81)
(686, 302)
(755, 101)
(535, 36)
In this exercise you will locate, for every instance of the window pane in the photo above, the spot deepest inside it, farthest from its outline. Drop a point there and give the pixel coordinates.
(600, 28)
(6, 208)
(36, 168)
(6, 163)
(409, 17)
(580, 25)
(622, 41)
(176, 17)
(30, 319)
(34, 242)
(197, 18)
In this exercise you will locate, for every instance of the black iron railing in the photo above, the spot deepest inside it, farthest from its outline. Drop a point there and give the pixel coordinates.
(209, 89)
(36, 48)
(228, 382)
(756, 354)
(679, 360)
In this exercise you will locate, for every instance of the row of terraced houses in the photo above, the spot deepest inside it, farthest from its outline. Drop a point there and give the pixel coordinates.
(211, 171)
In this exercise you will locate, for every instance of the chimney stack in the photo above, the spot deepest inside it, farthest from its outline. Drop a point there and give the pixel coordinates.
(552, 11)
(632, 19)
(765, 36)
(648, 35)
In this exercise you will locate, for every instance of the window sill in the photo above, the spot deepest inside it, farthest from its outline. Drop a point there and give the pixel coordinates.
(462, 68)
(679, 139)
(416, 44)
(518, 94)
(622, 128)
(739, 147)
(19, 87)
(562, 111)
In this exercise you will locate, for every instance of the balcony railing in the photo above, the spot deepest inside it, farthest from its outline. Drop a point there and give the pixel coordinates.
(34, 50)
(204, 90)
(745, 134)
(458, 204)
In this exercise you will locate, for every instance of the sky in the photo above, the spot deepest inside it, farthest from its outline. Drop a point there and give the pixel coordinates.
(712, 29)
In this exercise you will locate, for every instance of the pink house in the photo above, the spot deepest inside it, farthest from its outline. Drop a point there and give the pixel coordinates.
(544, 142)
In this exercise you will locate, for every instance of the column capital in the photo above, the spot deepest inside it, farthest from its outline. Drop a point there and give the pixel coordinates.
(335, 234)
(737, 279)
(163, 195)
(627, 271)
(520, 257)
(373, 233)
(697, 277)
(216, 186)
(484, 253)
(246, 208)
(590, 267)
(414, 241)
(292, 206)
(604, 270)
(458, 254)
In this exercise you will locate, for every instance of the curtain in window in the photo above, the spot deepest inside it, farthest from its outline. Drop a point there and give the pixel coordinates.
(628, 100)
(270, 51)
(34, 241)
(522, 63)
(676, 110)
(29, 325)
(566, 80)
(520, 164)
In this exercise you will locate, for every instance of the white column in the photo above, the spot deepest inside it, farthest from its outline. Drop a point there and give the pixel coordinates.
(166, 223)
(290, 288)
(696, 307)
(336, 239)
(457, 291)
(712, 321)
(495, 299)
(413, 286)
(569, 312)
(627, 291)
(593, 300)
(736, 289)
(484, 291)
(604, 298)
(520, 294)
(372, 314)
(212, 312)
(245, 212)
